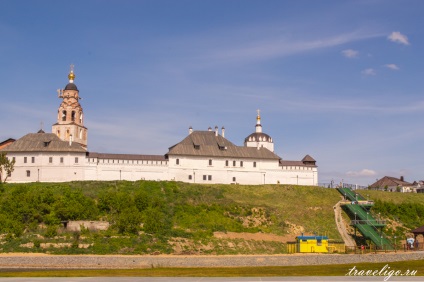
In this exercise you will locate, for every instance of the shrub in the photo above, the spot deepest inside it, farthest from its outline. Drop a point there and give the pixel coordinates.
(128, 221)
(51, 231)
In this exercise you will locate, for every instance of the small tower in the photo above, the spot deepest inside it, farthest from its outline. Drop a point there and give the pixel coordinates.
(70, 119)
(259, 139)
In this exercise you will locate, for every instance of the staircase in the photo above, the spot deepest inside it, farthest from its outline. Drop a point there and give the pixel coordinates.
(358, 209)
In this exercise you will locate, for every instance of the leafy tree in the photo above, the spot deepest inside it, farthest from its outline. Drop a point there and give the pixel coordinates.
(141, 200)
(128, 221)
(6, 165)
(155, 221)
(74, 205)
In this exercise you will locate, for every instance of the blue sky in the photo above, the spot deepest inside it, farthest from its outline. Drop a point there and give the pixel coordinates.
(342, 81)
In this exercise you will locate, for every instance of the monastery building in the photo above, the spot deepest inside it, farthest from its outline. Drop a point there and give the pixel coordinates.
(201, 157)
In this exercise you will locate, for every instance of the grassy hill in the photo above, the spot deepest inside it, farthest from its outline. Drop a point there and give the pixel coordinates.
(149, 217)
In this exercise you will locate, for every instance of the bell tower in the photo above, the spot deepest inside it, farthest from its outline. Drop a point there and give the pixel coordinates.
(70, 118)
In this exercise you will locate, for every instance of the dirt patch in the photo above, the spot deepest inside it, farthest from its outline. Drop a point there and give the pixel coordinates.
(254, 236)
(184, 246)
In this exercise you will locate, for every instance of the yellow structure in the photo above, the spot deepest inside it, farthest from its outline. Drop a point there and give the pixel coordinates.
(312, 244)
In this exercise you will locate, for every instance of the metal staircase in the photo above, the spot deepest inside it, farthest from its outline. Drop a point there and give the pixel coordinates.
(358, 209)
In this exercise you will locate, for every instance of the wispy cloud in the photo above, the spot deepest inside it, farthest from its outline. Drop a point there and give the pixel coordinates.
(392, 66)
(277, 47)
(369, 71)
(398, 37)
(350, 53)
(363, 172)
(239, 46)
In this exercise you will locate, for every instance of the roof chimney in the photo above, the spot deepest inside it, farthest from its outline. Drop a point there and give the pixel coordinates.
(216, 130)
(70, 140)
(401, 178)
(190, 130)
(209, 128)
(223, 131)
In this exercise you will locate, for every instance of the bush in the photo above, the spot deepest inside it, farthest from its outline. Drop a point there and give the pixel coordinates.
(37, 243)
(51, 231)
(155, 221)
(128, 221)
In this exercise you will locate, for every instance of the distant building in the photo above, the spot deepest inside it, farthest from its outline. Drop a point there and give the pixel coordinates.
(201, 157)
(392, 184)
(312, 244)
(420, 186)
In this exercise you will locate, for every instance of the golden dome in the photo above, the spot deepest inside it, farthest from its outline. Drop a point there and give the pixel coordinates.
(71, 74)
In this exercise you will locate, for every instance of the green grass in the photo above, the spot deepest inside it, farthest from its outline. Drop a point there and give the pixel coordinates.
(171, 210)
(269, 271)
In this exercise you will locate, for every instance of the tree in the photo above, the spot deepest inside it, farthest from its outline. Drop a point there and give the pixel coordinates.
(6, 165)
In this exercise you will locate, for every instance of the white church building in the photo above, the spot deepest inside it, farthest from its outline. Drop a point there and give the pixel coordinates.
(201, 157)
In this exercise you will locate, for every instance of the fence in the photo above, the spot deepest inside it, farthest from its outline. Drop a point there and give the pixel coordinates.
(341, 185)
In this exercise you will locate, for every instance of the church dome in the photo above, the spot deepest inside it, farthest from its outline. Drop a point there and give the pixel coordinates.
(258, 137)
(71, 86)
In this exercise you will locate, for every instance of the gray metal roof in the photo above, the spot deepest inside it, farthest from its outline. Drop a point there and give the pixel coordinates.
(126, 156)
(42, 142)
(389, 181)
(206, 143)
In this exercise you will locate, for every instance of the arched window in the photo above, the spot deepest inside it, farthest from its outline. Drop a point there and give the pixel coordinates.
(63, 115)
(73, 116)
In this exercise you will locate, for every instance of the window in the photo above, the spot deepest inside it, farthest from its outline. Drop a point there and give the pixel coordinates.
(25, 160)
(28, 173)
(209, 177)
(210, 162)
(9, 174)
(204, 177)
(50, 160)
(226, 163)
(73, 116)
(177, 161)
(33, 159)
(241, 163)
(14, 159)
(254, 164)
(234, 179)
(234, 163)
(190, 177)
(76, 160)
(61, 160)
(63, 115)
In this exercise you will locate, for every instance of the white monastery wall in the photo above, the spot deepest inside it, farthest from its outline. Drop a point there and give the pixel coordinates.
(132, 170)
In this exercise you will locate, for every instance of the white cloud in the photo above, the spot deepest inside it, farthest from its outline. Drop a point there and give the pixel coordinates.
(350, 53)
(392, 66)
(398, 37)
(364, 172)
(369, 71)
